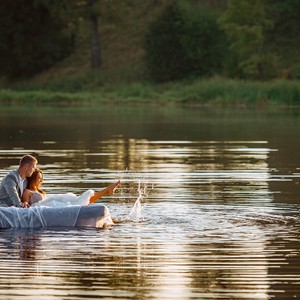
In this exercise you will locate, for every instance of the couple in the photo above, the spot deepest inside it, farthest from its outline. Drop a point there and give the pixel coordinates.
(21, 188)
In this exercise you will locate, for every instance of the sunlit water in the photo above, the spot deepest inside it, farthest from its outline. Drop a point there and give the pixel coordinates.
(209, 205)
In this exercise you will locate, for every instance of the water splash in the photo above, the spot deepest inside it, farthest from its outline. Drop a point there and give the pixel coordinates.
(135, 213)
(134, 188)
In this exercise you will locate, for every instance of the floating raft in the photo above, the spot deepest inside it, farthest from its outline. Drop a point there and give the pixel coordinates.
(96, 215)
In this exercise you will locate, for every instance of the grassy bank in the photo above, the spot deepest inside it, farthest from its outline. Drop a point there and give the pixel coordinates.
(216, 91)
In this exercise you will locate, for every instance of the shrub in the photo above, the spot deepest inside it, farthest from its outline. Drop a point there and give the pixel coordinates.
(31, 39)
(184, 41)
(245, 23)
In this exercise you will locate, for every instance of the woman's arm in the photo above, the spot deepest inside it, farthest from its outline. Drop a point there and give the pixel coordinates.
(27, 194)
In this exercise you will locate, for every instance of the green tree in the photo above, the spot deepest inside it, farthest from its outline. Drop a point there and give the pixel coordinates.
(245, 24)
(284, 38)
(96, 55)
(184, 41)
(31, 38)
(285, 15)
(96, 13)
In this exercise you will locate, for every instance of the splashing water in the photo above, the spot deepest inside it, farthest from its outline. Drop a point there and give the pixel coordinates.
(134, 185)
(135, 213)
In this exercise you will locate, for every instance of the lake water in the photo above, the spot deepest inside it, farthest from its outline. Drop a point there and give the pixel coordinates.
(219, 193)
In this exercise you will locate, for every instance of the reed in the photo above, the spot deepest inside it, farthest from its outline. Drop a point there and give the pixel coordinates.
(215, 91)
(221, 91)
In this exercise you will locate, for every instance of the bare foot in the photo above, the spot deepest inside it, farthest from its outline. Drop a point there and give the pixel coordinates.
(116, 221)
(111, 188)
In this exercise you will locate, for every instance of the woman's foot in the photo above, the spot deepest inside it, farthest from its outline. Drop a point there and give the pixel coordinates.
(116, 221)
(111, 188)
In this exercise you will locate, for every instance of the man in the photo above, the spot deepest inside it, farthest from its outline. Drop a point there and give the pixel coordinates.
(15, 182)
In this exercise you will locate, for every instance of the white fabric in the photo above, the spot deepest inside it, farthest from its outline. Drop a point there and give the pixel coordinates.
(21, 184)
(35, 197)
(57, 210)
(96, 215)
(62, 200)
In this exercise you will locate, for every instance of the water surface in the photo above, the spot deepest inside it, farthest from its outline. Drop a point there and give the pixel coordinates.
(219, 215)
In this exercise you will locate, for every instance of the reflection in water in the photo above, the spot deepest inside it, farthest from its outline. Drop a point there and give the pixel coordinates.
(217, 171)
(207, 228)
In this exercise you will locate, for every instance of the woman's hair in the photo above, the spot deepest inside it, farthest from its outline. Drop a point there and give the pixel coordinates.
(33, 178)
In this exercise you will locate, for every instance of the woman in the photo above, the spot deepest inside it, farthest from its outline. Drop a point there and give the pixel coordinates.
(35, 196)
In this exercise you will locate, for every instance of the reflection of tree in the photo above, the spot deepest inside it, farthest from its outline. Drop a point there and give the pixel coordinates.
(138, 268)
(231, 269)
(227, 171)
(284, 165)
(111, 268)
(18, 260)
(129, 154)
(22, 243)
(118, 275)
(160, 270)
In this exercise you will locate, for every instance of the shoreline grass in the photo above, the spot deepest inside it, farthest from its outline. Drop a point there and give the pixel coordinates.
(209, 92)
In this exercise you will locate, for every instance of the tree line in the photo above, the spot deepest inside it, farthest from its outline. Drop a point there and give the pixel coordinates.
(36, 34)
(247, 39)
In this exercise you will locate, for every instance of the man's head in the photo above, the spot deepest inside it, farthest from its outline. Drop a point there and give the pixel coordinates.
(27, 165)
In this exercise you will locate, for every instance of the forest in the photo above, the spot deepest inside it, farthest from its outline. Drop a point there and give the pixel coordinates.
(154, 49)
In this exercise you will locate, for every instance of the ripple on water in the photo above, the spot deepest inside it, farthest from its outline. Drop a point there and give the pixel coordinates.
(207, 226)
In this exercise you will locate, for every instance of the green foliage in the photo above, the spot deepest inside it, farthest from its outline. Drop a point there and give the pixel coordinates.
(212, 92)
(263, 37)
(184, 41)
(246, 24)
(297, 72)
(31, 39)
(285, 15)
(284, 39)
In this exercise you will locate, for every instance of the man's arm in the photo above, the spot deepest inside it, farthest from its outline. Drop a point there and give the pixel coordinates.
(10, 185)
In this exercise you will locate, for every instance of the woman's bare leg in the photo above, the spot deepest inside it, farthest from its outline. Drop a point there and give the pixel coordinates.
(107, 191)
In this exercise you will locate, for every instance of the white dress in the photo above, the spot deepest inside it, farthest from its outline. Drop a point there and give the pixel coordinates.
(60, 200)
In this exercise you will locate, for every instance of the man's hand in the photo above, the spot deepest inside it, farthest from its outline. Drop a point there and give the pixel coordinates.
(25, 204)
